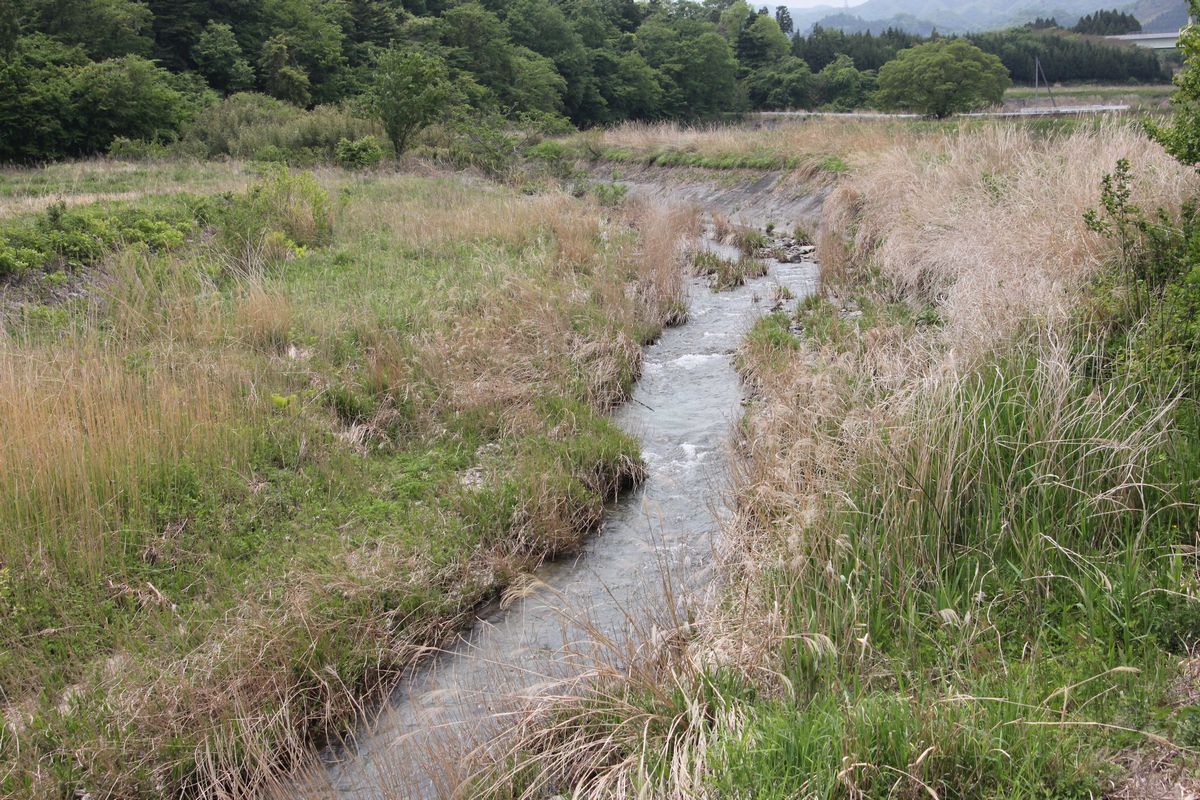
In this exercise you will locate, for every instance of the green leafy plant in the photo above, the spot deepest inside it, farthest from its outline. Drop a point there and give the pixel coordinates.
(609, 194)
(410, 90)
(284, 202)
(359, 154)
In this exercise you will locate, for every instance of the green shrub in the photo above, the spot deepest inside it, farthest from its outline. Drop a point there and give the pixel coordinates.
(483, 141)
(15, 260)
(77, 237)
(248, 125)
(288, 204)
(128, 149)
(609, 194)
(359, 153)
(1147, 310)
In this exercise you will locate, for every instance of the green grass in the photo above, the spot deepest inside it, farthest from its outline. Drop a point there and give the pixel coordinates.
(1002, 599)
(375, 456)
(724, 273)
(102, 176)
(1156, 91)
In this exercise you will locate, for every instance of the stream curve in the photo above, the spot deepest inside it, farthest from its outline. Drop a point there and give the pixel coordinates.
(682, 409)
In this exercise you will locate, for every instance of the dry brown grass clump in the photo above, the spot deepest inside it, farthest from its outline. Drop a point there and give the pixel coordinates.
(809, 144)
(988, 225)
(81, 436)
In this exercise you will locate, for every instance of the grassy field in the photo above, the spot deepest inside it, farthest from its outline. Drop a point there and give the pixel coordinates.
(264, 435)
(1139, 98)
(258, 447)
(963, 563)
(1152, 91)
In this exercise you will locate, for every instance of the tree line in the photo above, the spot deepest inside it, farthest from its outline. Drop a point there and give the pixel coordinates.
(1065, 56)
(77, 74)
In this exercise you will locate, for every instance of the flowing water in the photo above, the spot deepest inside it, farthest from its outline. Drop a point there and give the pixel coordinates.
(682, 409)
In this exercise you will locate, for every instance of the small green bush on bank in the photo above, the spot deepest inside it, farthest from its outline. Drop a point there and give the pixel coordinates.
(360, 153)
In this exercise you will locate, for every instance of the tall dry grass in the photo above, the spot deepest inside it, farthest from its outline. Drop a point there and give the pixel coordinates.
(988, 225)
(832, 136)
(905, 489)
(83, 440)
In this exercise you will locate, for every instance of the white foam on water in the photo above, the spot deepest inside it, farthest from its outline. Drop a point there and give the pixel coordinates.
(693, 360)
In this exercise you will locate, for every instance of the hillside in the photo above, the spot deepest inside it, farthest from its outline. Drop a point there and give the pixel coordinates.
(922, 16)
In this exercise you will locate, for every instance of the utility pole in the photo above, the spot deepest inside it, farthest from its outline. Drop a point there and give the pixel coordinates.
(1039, 70)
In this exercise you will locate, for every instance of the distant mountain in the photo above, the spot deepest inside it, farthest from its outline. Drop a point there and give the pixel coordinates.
(854, 24)
(1160, 16)
(964, 16)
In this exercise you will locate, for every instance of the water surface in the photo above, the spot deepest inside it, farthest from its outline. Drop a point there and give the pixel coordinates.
(682, 409)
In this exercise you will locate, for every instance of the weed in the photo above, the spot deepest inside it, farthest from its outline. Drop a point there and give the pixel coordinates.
(242, 494)
(358, 154)
(725, 274)
(609, 194)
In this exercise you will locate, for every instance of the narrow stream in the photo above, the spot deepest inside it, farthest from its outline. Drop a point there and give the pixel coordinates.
(682, 410)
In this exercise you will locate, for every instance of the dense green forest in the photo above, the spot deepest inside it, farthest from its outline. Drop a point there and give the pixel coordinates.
(1064, 55)
(1108, 23)
(77, 75)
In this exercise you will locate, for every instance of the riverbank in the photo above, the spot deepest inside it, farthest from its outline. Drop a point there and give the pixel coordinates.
(323, 418)
(260, 450)
(963, 561)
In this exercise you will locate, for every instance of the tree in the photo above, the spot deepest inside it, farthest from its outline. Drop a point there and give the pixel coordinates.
(409, 92)
(734, 19)
(537, 86)
(282, 77)
(542, 27)
(841, 86)
(219, 58)
(35, 98)
(635, 90)
(1181, 138)
(1042, 23)
(784, 18)
(371, 24)
(762, 43)
(787, 84)
(1108, 23)
(707, 76)
(103, 28)
(477, 42)
(314, 33)
(127, 96)
(941, 78)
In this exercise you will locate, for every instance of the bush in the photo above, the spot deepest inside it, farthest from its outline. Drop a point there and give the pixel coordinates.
(482, 141)
(285, 210)
(1181, 137)
(79, 237)
(248, 125)
(609, 194)
(360, 153)
(15, 260)
(137, 149)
